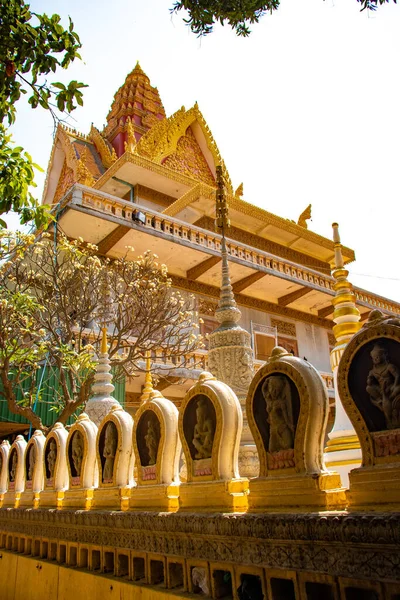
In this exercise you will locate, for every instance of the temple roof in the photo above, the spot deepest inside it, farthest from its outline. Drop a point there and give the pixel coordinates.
(136, 101)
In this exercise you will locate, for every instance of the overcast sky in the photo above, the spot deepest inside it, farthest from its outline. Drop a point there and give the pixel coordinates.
(304, 111)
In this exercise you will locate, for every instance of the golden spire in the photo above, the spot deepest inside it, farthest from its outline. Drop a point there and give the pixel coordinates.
(227, 313)
(104, 345)
(148, 382)
(137, 100)
(346, 314)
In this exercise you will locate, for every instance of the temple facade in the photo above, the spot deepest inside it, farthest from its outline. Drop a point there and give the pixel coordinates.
(148, 181)
(230, 475)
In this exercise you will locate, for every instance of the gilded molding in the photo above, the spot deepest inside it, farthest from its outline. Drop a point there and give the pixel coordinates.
(256, 241)
(108, 156)
(162, 139)
(284, 327)
(271, 219)
(147, 164)
(339, 544)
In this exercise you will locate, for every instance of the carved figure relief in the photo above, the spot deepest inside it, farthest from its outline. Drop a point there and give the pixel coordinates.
(203, 435)
(383, 385)
(51, 459)
(30, 466)
(13, 465)
(76, 454)
(151, 443)
(276, 407)
(108, 449)
(148, 436)
(199, 425)
(277, 396)
(374, 383)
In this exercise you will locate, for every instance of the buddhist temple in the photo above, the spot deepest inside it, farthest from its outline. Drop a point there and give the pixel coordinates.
(255, 500)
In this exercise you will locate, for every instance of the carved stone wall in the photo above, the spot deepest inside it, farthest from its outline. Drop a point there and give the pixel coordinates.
(357, 545)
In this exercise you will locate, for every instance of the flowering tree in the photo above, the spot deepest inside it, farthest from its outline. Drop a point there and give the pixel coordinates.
(55, 294)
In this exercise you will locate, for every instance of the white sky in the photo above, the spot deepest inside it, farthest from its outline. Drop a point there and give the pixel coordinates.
(305, 110)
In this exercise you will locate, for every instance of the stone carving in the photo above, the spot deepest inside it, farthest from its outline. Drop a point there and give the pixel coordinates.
(278, 400)
(284, 327)
(51, 458)
(287, 407)
(151, 440)
(210, 424)
(109, 451)
(370, 394)
(203, 431)
(77, 447)
(199, 580)
(31, 462)
(343, 545)
(383, 385)
(13, 466)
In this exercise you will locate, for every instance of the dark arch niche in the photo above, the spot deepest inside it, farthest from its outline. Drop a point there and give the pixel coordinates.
(198, 403)
(148, 435)
(108, 444)
(30, 462)
(12, 465)
(75, 453)
(50, 458)
(279, 392)
(366, 381)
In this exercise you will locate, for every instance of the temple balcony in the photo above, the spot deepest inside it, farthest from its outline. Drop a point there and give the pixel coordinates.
(192, 255)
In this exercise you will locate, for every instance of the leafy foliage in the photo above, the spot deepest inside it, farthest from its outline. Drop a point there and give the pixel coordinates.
(239, 14)
(32, 46)
(54, 296)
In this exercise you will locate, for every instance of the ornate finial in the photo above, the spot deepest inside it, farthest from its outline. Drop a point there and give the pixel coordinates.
(239, 191)
(221, 209)
(102, 401)
(205, 376)
(148, 381)
(278, 352)
(304, 217)
(104, 345)
(227, 312)
(346, 315)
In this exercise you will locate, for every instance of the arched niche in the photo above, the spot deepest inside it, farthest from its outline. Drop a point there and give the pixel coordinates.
(369, 388)
(287, 409)
(55, 468)
(81, 462)
(33, 465)
(156, 441)
(4, 452)
(157, 449)
(115, 460)
(15, 472)
(210, 425)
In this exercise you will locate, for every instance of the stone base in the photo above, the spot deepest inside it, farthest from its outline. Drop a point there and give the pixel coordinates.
(215, 496)
(375, 488)
(112, 498)
(249, 465)
(78, 498)
(297, 493)
(29, 499)
(11, 499)
(159, 498)
(51, 499)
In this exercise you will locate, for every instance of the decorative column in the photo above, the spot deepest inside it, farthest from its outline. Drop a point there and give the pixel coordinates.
(102, 401)
(230, 356)
(343, 451)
